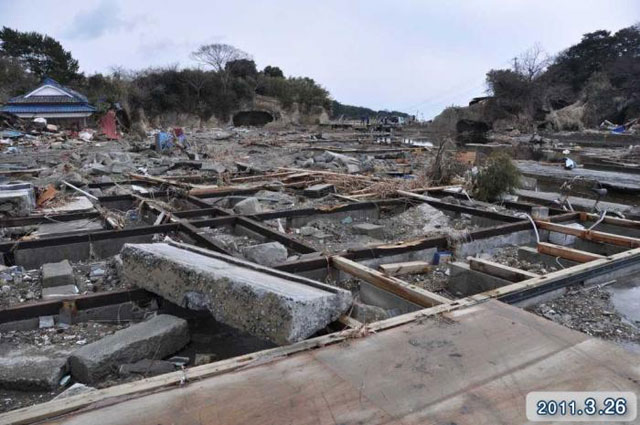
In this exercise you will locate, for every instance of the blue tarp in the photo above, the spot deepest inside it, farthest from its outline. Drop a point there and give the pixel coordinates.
(164, 141)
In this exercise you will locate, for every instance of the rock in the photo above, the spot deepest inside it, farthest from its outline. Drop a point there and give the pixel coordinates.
(99, 169)
(119, 167)
(75, 389)
(319, 190)
(213, 166)
(57, 274)
(267, 254)
(248, 206)
(307, 230)
(269, 304)
(353, 168)
(372, 230)
(202, 358)
(147, 367)
(6, 289)
(366, 313)
(31, 369)
(156, 338)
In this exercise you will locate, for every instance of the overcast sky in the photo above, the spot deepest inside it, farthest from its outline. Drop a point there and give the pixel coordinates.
(406, 55)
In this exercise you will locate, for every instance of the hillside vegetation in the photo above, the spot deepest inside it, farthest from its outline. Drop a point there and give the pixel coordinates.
(594, 80)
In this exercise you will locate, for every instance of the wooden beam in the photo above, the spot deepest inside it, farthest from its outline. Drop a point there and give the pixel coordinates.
(394, 285)
(511, 274)
(409, 267)
(350, 322)
(622, 222)
(590, 235)
(567, 253)
(416, 196)
(564, 274)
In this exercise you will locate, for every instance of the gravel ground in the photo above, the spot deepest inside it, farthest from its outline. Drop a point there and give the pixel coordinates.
(590, 310)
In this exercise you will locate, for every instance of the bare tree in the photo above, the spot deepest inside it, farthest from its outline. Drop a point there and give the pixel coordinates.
(218, 55)
(532, 62)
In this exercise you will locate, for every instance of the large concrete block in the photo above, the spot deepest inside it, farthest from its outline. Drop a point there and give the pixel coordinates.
(17, 202)
(57, 274)
(30, 369)
(273, 305)
(154, 339)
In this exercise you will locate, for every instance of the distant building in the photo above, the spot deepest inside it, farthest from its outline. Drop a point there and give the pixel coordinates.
(56, 103)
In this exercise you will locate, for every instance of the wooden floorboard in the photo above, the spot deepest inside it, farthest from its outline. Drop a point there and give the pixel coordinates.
(471, 366)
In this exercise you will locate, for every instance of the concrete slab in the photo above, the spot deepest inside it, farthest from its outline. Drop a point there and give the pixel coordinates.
(156, 338)
(59, 292)
(31, 369)
(273, 305)
(372, 230)
(57, 274)
(16, 203)
(76, 205)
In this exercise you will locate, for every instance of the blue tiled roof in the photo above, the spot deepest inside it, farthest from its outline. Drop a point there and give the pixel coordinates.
(75, 96)
(44, 109)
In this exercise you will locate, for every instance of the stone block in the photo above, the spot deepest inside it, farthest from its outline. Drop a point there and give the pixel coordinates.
(248, 206)
(372, 230)
(266, 303)
(156, 338)
(31, 370)
(267, 254)
(319, 190)
(57, 274)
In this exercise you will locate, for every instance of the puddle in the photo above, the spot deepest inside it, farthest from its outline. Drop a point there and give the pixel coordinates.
(626, 299)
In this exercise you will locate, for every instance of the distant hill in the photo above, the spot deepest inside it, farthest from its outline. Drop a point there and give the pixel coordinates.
(357, 112)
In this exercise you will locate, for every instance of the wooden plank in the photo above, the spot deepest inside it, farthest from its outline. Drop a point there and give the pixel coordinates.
(591, 235)
(350, 322)
(403, 289)
(622, 222)
(409, 267)
(567, 253)
(492, 268)
(491, 349)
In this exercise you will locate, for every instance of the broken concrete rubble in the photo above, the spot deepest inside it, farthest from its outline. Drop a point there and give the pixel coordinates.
(156, 338)
(248, 206)
(267, 254)
(276, 306)
(31, 369)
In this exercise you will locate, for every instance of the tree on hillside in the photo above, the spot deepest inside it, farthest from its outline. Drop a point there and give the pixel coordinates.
(242, 68)
(532, 62)
(273, 71)
(39, 54)
(217, 56)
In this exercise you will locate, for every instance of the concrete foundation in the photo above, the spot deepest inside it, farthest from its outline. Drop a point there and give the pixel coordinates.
(154, 339)
(266, 303)
(464, 282)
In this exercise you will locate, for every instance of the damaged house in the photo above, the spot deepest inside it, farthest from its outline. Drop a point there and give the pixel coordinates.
(51, 100)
